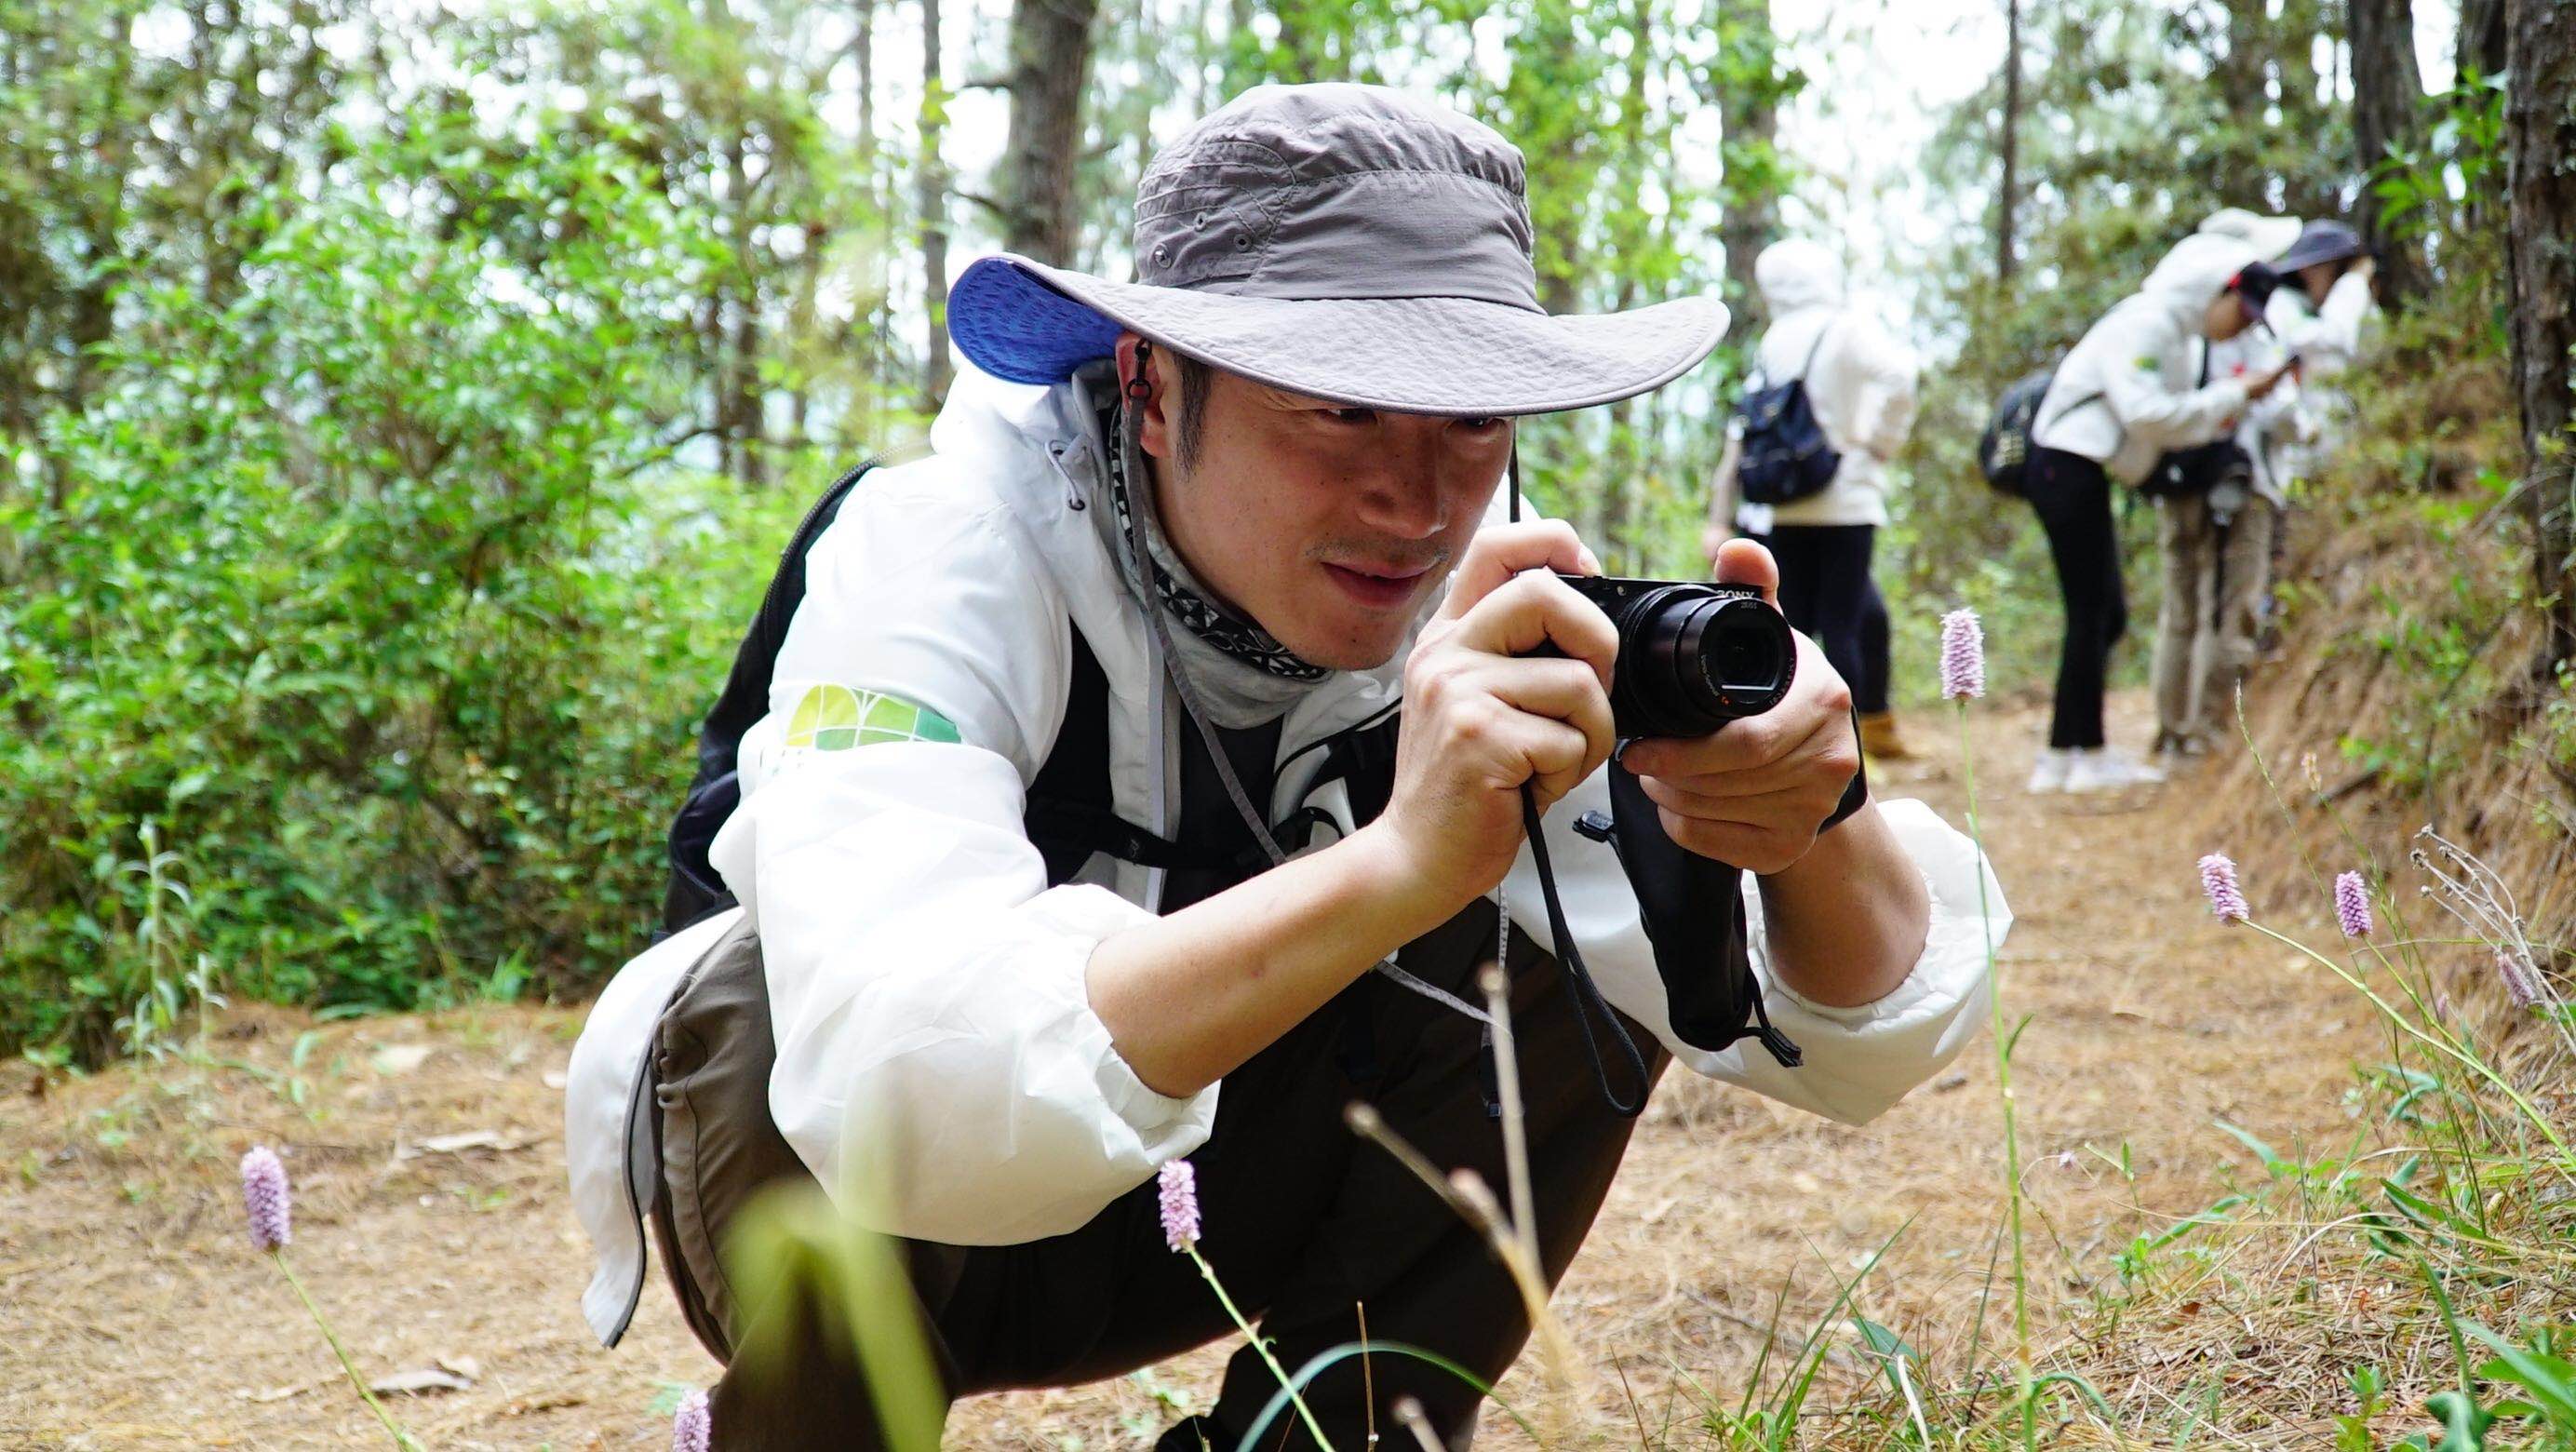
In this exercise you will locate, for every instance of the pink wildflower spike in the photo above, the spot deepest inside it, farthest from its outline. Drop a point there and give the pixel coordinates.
(2352, 905)
(2218, 879)
(693, 1430)
(1180, 1189)
(2519, 980)
(264, 1197)
(1963, 656)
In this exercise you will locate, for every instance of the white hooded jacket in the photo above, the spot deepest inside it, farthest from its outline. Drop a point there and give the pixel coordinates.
(1861, 382)
(2130, 391)
(939, 1064)
(2327, 337)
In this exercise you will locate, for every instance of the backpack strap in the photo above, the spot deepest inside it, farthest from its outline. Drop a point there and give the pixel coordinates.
(1818, 346)
(2096, 396)
(1071, 813)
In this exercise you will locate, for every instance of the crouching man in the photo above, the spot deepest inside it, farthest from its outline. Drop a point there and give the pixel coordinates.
(1082, 832)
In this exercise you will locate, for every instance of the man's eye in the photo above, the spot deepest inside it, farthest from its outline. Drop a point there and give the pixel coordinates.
(1478, 425)
(1351, 415)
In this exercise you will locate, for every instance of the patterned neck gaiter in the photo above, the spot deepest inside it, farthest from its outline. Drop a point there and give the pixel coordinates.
(1238, 638)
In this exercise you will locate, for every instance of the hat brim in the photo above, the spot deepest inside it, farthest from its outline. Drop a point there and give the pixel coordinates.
(1030, 323)
(2308, 253)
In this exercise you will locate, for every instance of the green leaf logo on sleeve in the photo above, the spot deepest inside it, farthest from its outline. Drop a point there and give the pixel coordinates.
(836, 718)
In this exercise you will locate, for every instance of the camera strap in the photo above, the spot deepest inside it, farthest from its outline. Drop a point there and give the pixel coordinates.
(1590, 1007)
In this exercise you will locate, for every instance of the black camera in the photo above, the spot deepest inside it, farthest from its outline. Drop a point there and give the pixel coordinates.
(1692, 657)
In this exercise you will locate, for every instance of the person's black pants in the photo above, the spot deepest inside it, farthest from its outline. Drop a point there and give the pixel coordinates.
(1308, 1227)
(1825, 590)
(2073, 498)
(1869, 693)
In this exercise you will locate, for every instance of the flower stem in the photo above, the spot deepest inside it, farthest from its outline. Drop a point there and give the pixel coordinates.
(2003, 1086)
(402, 1439)
(1208, 1272)
(2566, 1157)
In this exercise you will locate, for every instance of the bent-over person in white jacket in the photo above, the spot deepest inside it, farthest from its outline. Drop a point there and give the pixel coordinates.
(1200, 566)
(2128, 392)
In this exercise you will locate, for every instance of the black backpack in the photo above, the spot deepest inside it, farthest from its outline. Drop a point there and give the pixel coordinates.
(1786, 456)
(2003, 450)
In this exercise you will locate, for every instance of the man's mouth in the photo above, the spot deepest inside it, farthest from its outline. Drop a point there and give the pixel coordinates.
(1378, 587)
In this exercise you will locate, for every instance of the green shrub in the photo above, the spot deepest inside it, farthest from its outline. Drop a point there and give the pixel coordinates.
(368, 588)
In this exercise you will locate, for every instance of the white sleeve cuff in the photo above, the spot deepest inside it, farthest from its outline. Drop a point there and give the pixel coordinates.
(1861, 1059)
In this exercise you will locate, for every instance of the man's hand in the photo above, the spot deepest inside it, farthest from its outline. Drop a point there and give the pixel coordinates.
(1753, 793)
(1482, 718)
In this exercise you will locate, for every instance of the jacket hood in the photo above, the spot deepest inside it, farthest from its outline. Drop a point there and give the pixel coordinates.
(1797, 273)
(2271, 236)
(2197, 270)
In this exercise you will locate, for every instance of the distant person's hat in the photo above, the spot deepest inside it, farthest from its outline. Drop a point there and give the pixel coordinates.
(1340, 241)
(2321, 241)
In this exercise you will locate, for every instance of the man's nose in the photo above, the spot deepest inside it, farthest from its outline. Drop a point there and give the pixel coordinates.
(1400, 493)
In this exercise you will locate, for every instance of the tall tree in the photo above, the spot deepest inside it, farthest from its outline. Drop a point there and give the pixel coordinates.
(2481, 42)
(2540, 187)
(2008, 142)
(1748, 95)
(1050, 70)
(930, 187)
(2387, 118)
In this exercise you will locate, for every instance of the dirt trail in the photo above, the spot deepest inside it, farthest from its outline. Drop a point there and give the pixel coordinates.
(133, 1313)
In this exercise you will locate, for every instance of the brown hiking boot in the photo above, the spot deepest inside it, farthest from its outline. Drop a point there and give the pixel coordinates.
(1878, 737)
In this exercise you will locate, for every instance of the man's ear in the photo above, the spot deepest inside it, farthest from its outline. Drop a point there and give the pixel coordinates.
(1161, 391)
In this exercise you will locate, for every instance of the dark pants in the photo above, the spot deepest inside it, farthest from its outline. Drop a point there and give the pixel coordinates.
(1825, 590)
(1303, 1221)
(2073, 498)
(1869, 693)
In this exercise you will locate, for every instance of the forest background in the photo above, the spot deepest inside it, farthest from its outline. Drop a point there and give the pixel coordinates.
(401, 405)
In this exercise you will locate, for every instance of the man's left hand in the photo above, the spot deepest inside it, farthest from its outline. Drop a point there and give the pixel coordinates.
(1753, 793)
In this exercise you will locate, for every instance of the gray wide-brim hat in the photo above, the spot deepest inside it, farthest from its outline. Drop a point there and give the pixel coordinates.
(1344, 242)
(2325, 240)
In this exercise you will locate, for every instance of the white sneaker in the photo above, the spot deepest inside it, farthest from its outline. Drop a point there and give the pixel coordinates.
(2049, 774)
(2101, 769)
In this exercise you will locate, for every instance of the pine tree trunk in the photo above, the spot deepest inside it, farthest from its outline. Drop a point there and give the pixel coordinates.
(2008, 143)
(1050, 70)
(2540, 137)
(931, 195)
(2387, 117)
(2481, 43)
(1751, 118)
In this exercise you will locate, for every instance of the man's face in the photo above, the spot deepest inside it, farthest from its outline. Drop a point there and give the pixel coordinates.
(1326, 525)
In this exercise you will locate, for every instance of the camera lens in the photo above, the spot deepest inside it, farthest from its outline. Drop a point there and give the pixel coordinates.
(1694, 657)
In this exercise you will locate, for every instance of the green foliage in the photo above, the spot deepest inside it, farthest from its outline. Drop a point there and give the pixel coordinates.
(348, 583)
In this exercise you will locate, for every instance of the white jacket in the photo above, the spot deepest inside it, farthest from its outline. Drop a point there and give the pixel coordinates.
(2327, 338)
(2127, 393)
(939, 1066)
(1861, 383)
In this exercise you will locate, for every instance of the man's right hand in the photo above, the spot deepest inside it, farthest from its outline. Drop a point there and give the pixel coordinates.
(1483, 718)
